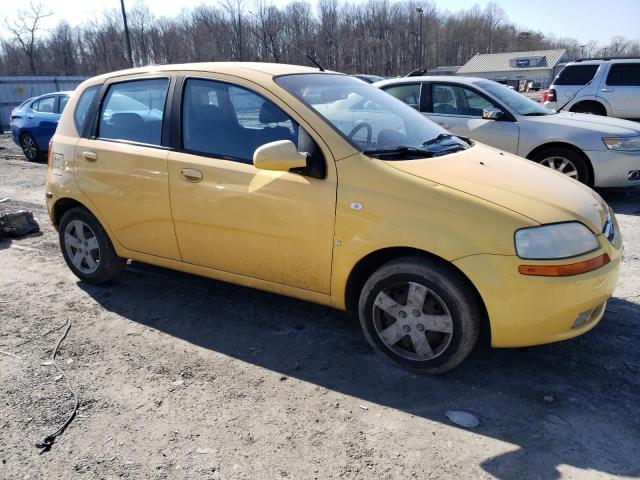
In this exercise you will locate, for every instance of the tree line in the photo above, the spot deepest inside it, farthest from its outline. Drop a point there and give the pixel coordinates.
(380, 37)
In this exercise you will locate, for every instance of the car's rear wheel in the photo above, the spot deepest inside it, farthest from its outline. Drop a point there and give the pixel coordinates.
(87, 249)
(565, 161)
(30, 147)
(420, 314)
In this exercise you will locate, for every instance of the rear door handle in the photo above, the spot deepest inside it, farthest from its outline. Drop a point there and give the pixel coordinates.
(444, 125)
(607, 90)
(191, 175)
(90, 156)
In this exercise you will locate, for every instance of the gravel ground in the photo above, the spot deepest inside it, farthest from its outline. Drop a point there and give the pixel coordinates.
(184, 377)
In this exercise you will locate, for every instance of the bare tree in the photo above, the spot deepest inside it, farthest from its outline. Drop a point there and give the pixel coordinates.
(373, 36)
(25, 28)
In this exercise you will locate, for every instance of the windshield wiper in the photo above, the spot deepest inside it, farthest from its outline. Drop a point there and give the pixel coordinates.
(536, 114)
(400, 150)
(438, 139)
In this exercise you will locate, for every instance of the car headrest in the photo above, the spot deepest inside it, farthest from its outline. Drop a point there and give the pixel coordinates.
(127, 119)
(269, 113)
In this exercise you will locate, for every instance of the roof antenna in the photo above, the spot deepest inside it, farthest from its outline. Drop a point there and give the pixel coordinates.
(310, 58)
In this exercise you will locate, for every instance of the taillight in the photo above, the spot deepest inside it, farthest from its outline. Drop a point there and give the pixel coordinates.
(551, 95)
(50, 155)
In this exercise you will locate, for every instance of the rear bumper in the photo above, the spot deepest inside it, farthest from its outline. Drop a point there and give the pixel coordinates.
(612, 168)
(528, 310)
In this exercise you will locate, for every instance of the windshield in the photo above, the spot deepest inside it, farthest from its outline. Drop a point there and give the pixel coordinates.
(370, 119)
(513, 99)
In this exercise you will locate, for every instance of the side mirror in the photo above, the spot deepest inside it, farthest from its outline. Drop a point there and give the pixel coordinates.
(492, 114)
(281, 156)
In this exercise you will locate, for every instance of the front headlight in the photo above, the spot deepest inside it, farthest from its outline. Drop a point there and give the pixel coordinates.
(625, 144)
(559, 240)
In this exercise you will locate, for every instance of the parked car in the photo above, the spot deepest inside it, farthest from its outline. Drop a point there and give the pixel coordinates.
(606, 86)
(602, 152)
(533, 86)
(254, 176)
(369, 78)
(34, 122)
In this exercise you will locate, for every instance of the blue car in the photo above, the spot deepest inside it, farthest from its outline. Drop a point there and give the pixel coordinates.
(34, 122)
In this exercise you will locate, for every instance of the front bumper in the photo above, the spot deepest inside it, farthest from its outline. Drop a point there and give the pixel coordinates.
(612, 168)
(528, 310)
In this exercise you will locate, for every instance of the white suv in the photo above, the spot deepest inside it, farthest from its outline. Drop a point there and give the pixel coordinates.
(605, 86)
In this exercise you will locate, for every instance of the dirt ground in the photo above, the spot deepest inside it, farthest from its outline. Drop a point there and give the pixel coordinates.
(187, 378)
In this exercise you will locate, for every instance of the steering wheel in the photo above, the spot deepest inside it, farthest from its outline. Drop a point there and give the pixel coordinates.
(359, 127)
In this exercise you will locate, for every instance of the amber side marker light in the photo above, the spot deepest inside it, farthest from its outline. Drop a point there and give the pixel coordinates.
(565, 270)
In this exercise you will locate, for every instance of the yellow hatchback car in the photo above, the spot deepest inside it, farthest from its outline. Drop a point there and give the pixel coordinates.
(318, 186)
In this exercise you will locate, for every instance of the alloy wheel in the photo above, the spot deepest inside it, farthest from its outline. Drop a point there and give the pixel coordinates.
(82, 246)
(29, 147)
(562, 165)
(412, 321)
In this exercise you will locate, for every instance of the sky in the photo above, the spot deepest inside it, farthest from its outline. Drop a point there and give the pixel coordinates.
(581, 19)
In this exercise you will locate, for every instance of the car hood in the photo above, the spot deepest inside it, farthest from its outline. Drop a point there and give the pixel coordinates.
(595, 123)
(520, 185)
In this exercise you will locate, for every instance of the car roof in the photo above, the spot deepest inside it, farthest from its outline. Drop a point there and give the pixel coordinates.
(430, 78)
(50, 94)
(598, 61)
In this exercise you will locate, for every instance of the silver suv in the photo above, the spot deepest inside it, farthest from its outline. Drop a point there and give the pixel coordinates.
(601, 86)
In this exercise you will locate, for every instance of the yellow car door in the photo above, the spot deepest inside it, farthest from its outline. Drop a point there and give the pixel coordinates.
(233, 217)
(123, 170)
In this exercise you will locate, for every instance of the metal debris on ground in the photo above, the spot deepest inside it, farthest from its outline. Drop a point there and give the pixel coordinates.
(18, 224)
(463, 419)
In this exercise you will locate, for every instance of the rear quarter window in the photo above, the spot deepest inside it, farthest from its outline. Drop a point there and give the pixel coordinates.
(624, 75)
(576, 75)
(82, 107)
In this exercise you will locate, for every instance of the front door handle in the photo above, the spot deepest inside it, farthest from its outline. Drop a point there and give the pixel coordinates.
(444, 125)
(90, 156)
(191, 175)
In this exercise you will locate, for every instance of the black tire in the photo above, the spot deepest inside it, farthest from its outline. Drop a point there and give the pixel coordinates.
(462, 311)
(592, 108)
(109, 265)
(554, 158)
(30, 148)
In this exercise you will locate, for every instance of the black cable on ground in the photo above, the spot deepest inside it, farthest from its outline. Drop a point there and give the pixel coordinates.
(48, 441)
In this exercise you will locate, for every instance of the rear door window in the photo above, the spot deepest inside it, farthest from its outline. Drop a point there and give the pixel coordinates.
(45, 105)
(624, 75)
(82, 106)
(133, 111)
(576, 75)
(231, 122)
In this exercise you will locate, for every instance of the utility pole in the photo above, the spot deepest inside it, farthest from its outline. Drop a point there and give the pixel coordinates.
(126, 33)
(419, 55)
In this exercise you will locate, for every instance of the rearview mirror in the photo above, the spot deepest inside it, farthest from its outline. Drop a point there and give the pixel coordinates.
(281, 156)
(492, 114)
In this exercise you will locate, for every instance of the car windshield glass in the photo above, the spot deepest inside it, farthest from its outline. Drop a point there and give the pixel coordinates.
(370, 119)
(516, 101)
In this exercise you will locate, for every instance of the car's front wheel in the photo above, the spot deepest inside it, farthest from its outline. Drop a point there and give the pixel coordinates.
(87, 249)
(565, 161)
(420, 314)
(30, 147)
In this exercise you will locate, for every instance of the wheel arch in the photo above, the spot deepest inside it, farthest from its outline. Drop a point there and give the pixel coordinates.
(63, 205)
(593, 102)
(368, 264)
(545, 146)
